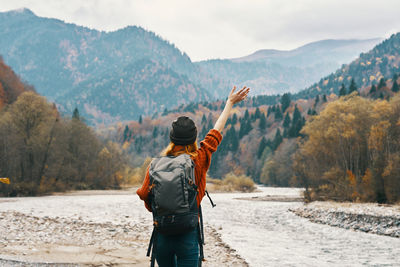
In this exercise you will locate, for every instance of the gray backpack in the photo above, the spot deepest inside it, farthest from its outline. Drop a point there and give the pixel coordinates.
(173, 193)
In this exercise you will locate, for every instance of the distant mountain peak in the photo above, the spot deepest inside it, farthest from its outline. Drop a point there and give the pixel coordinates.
(321, 45)
(22, 10)
(334, 43)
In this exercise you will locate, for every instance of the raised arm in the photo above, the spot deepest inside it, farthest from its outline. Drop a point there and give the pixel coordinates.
(233, 98)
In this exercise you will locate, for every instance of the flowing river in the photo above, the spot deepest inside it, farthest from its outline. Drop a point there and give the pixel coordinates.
(264, 233)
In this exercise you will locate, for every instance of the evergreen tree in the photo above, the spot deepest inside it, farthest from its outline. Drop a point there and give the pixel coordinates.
(203, 119)
(253, 117)
(257, 114)
(140, 119)
(234, 119)
(269, 111)
(324, 98)
(342, 90)
(316, 100)
(295, 129)
(75, 114)
(297, 123)
(246, 115)
(242, 129)
(382, 83)
(311, 112)
(139, 144)
(261, 147)
(285, 101)
(296, 115)
(263, 122)
(277, 140)
(352, 87)
(126, 133)
(395, 87)
(286, 121)
(373, 89)
(234, 144)
(245, 128)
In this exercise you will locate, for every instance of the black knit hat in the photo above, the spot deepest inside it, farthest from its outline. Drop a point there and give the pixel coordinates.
(183, 132)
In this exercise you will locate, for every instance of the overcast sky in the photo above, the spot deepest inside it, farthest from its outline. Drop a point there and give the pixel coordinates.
(207, 29)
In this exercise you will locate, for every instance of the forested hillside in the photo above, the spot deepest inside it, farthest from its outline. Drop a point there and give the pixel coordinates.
(144, 85)
(254, 131)
(381, 62)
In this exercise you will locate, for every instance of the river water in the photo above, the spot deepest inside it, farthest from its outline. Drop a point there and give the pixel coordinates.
(264, 233)
(267, 234)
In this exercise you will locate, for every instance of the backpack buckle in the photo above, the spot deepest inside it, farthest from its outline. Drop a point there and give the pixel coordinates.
(192, 184)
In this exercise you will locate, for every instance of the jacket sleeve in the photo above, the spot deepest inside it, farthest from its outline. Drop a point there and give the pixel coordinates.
(208, 146)
(203, 159)
(143, 192)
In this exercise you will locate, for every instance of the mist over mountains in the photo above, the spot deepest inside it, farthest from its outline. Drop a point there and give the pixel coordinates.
(374, 67)
(123, 74)
(277, 71)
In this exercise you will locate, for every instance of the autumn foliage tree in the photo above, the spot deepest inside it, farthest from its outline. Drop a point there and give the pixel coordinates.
(42, 152)
(10, 85)
(352, 151)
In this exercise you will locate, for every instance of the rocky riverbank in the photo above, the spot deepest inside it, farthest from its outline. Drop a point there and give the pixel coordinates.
(84, 229)
(364, 217)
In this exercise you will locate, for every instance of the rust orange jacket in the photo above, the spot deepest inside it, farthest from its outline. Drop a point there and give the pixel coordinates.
(202, 163)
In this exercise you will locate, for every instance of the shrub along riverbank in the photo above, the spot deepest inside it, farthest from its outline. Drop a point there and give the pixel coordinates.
(231, 183)
(42, 152)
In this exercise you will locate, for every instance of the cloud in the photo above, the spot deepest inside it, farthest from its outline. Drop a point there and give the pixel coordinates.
(229, 28)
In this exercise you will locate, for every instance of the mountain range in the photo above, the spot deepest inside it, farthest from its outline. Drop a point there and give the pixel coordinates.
(380, 63)
(123, 74)
(278, 71)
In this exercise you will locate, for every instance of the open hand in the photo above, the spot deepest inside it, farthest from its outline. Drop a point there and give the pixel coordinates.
(236, 97)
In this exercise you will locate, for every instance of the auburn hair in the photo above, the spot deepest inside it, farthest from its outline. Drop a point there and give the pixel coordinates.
(172, 150)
